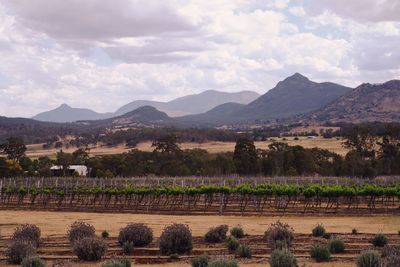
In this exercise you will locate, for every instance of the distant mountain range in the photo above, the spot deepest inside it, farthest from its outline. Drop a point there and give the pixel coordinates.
(296, 99)
(190, 104)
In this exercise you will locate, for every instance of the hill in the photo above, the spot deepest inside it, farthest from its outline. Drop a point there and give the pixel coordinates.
(193, 104)
(366, 103)
(65, 113)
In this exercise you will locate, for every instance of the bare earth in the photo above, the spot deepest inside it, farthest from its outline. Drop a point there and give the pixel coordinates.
(332, 144)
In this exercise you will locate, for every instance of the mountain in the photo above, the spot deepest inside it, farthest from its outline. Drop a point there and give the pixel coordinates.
(65, 113)
(294, 95)
(366, 103)
(193, 104)
(143, 114)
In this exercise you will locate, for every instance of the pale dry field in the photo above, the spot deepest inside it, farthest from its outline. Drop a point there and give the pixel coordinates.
(332, 144)
(56, 223)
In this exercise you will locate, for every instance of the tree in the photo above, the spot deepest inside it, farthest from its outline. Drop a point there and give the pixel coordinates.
(361, 140)
(245, 157)
(167, 145)
(14, 148)
(64, 160)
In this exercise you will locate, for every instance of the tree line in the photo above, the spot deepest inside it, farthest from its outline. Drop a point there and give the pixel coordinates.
(369, 155)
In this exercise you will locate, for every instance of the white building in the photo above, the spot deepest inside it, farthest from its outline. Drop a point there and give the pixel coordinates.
(82, 170)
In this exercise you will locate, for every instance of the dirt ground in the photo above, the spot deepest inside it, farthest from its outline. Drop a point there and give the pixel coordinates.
(332, 144)
(56, 223)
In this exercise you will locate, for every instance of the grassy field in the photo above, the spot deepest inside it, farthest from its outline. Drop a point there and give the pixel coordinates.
(333, 144)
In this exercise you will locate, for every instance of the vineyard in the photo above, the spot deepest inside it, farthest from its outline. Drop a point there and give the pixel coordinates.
(249, 198)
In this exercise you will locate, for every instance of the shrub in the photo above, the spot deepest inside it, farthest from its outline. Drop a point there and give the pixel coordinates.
(379, 240)
(320, 253)
(327, 236)
(232, 243)
(105, 234)
(79, 230)
(27, 233)
(117, 262)
(200, 261)
(19, 250)
(174, 256)
(336, 245)
(391, 256)
(369, 259)
(216, 234)
(318, 230)
(223, 263)
(33, 262)
(282, 258)
(237, 232)
(279, 232)
(137, 233)
(176, 238)
(354, 231)
(90, 248)
(128, 247)
(244, 251)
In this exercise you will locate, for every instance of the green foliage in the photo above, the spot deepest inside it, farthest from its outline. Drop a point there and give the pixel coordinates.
(336, 245)
(79, 230)
(245, 157)
(237, 232)
(354, 231)
(174, 256)
(14, 148)
(318, 230)
(216, 234)
(282, 258)
(137, 233)
(18, 250)
(369, 258)
(200, 261)
(176, 238)
(105, 234)
(90, 248)
(117, 262)
(27, 233)
(380, 240)
(223, 263)
(232, 243)
(244, 251)
(128, 247)
(320, 253)
(279, 233)
(33, 262)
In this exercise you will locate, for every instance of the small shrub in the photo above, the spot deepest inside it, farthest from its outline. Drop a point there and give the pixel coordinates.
(79, 230)
(223, 263)
(117, 262)
(379, 240)
(174, 256)
(216, 234)
(90, 248)
(336, 245)
(128, 247)
(318, 230)
(398, 232)
(33, 262)
(354, 231)
(282, 258)
(200, 261)
(320, 253)
(138, 233)
(27, 233)
(244, 251)
(327, 236)
(232, 243)
(369, 258)
(105, 234)
(279, 232)
(176, 238)
(237, 232)
(19, 250)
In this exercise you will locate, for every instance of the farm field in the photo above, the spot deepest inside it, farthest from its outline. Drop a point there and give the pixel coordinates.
(54, 225)
(332, 144)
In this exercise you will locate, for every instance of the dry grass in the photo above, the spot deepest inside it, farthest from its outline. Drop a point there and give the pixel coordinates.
(332, 144)
(56, 223)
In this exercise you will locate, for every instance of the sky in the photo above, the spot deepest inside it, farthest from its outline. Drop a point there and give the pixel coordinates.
(103, 54)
